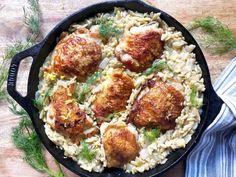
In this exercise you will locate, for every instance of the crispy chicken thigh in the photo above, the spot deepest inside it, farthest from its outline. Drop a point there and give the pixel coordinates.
(114, 95)
(120, 145)
(139, 48)
(159, 106)
(70, 120)
(78, 54)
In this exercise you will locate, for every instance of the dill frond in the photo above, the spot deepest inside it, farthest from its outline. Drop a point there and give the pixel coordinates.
(87, 153)
(39, 102)
(3, 78)
(25, 138)
(86, 86)
(108, 28)
(16, 47)
(32, 17)
(219, 38)
(152, 134)
(156, 66)
(193, 97)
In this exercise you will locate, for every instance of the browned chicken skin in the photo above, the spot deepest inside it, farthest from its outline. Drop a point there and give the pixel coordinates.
(137, 50)
(113, 98)
(158, 107)
(77, 55)
(70, 120)
(120, 145)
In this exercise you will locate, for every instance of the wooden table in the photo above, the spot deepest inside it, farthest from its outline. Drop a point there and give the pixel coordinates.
(12, 28)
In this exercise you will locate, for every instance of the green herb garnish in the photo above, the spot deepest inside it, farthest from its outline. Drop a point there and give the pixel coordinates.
(108, 28)
(3, 77)
(14, 48)
(39, 102)
(85, 88)
(156, 66)
(152, 134)
(93, 78)
(83, 91)
(193, 96)
(86, 153)
(25, 138)
(219, 38)
(110, 116)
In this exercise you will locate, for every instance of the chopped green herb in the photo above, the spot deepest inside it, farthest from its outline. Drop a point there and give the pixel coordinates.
(193, 95)
(86, 153)
(108, 28)
(156, 66)
(85, 88)
(110, 116)
(219, 38)
(83, 91)
(93, 78)
(39, 102)
(152, 134)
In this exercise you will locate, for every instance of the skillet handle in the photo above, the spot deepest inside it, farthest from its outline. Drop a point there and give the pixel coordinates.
(13, 70)
(215, 106)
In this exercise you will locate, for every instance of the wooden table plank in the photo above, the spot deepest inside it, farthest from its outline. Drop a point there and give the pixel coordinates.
(12, 28)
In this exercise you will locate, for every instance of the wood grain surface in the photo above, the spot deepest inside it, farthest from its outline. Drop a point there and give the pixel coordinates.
(12, 28)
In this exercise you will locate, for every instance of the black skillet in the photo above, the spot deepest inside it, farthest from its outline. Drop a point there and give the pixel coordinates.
(39, 52)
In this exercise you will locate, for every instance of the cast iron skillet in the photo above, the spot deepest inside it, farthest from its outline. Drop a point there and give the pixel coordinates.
(211, 107)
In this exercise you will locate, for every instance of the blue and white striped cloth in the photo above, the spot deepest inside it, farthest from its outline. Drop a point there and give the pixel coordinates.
(215, 153)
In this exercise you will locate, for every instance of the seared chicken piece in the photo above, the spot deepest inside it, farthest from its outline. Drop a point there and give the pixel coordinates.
(139, 48)
(78, 54)
(120, 145)
(70, 120)
(159, 106)
(113, 98)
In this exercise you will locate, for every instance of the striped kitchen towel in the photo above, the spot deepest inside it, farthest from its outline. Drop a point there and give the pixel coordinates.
(215, 153)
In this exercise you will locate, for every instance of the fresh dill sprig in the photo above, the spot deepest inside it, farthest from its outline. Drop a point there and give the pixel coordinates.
(25, 138)
(39, 102)
(86, 86)
(152, 134)
(193, 97)
(112, 115)
(32, 17)
(3, 77)
(219, 38)
(156, 66)
(16, 47)
(86, 153)
(108, 28)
